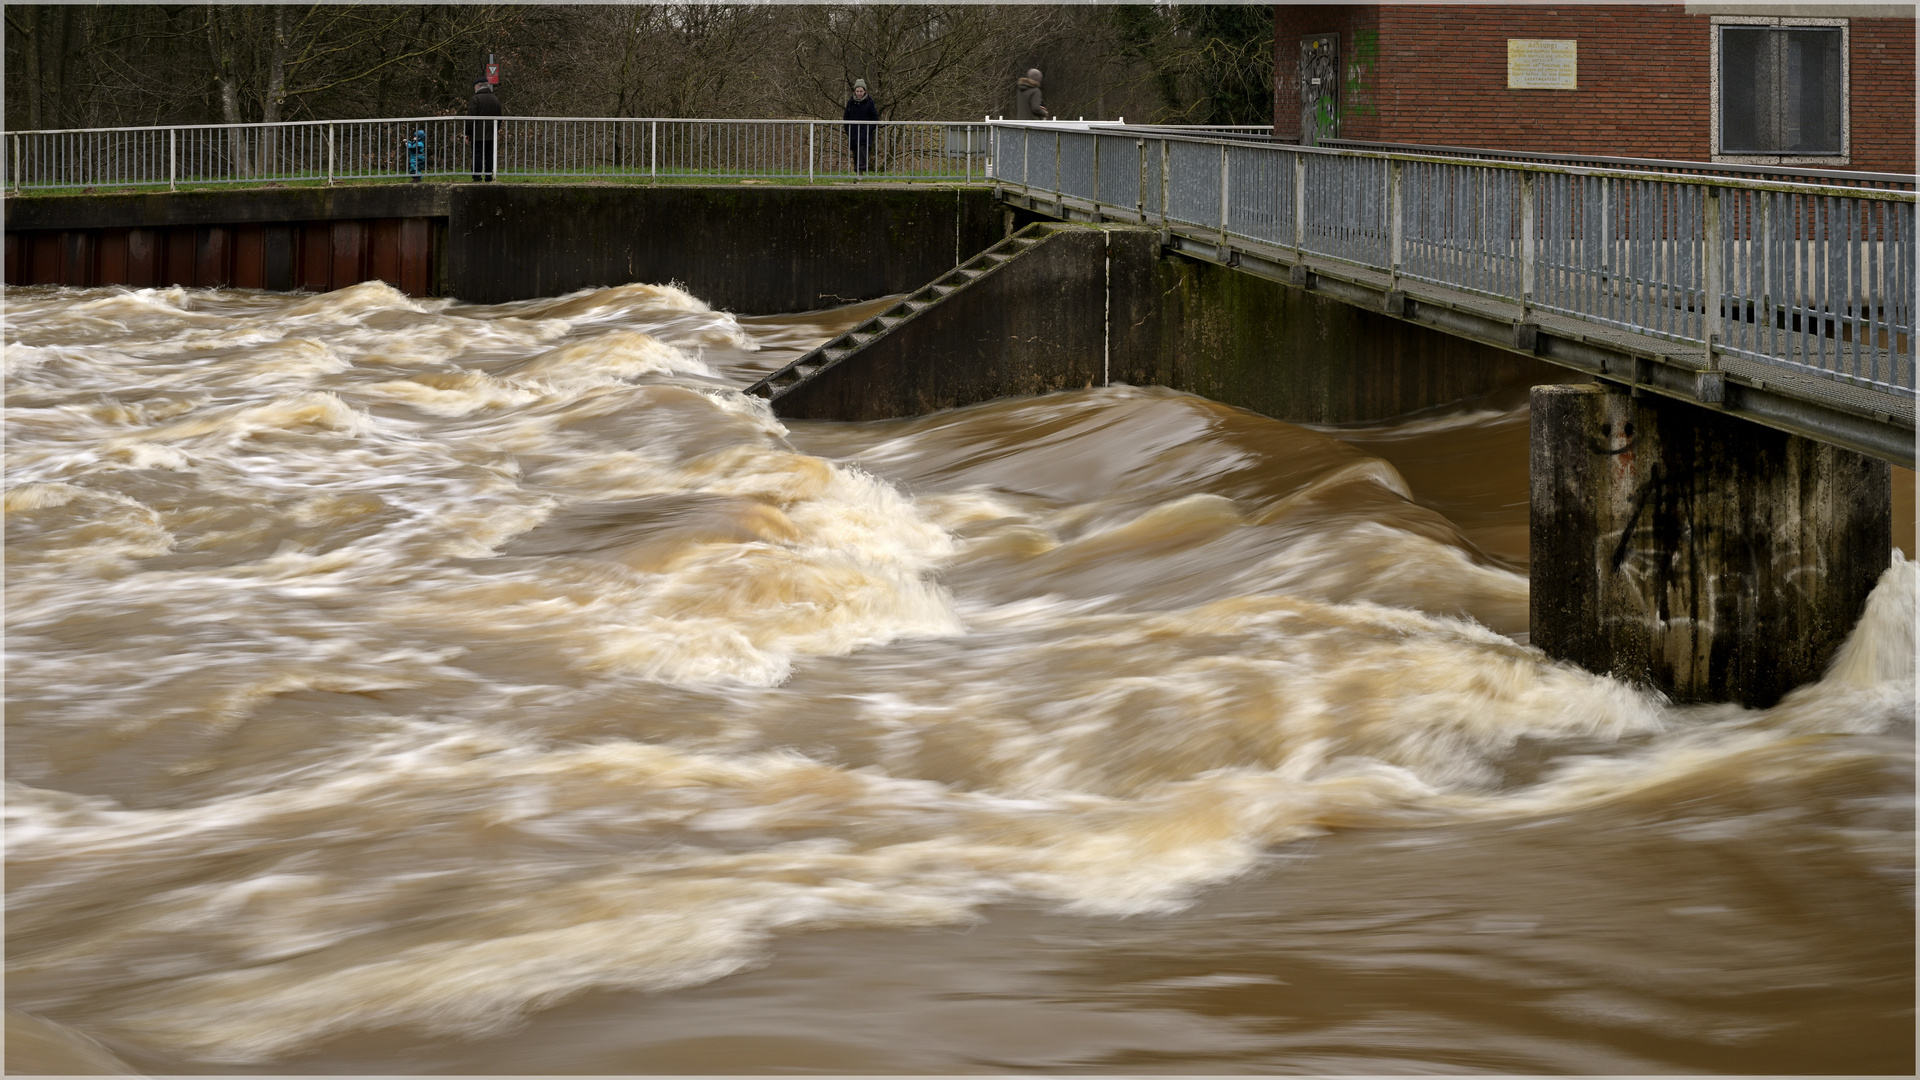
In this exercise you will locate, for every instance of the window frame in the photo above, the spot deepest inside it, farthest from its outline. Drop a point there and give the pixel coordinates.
(1845, 156)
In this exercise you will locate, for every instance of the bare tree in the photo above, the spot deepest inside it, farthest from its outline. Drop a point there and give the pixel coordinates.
(116, 64)
(920, 61)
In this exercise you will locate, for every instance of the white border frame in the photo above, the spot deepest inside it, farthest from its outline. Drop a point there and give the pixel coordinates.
(1845, 156)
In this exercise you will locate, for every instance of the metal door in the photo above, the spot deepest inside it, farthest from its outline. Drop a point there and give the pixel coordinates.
(1319, 88)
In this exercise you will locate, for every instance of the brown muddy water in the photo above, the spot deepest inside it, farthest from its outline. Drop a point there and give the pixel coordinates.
(407, 686)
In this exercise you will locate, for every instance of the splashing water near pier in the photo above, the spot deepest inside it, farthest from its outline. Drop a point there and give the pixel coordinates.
(401, 685)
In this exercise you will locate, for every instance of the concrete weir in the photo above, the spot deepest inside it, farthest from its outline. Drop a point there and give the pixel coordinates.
(1705, 556)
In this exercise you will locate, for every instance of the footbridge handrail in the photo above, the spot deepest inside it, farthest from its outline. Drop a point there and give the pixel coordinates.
(1816, 279)
(511, 147)
(1789, 173)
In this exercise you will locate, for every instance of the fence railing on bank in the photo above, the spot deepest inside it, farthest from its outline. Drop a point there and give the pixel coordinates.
(509, 148)
(1817, 278)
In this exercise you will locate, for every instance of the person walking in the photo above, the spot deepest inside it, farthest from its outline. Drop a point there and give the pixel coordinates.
(1026, 97)
(860, 115)
(481, 132)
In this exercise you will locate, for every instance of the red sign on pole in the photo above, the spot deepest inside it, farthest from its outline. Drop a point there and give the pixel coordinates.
(493, 74)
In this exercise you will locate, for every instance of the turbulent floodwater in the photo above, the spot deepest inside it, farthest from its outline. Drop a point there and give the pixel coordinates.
(400, 685)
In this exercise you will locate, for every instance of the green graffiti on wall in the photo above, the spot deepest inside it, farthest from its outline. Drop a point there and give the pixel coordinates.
(1362, 67)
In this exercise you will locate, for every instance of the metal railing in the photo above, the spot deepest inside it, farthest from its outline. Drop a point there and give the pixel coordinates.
(1816, 278)
(1796, 174)
(511, 148)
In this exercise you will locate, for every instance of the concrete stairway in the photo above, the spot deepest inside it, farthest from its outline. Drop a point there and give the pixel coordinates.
(966, 276)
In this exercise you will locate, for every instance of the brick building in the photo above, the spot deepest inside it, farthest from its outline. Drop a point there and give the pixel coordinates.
(1810, 84)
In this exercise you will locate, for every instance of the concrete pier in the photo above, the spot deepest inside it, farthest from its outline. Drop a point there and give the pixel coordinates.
(1699, 554)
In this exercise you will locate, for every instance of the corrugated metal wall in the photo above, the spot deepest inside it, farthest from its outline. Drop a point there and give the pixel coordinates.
(313, 255)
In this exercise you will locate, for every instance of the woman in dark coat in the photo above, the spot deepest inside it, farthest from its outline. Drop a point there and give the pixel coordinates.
(860, 107)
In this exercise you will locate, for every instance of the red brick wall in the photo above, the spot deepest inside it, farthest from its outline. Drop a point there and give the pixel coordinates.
(1880, 75)
(1440, 76)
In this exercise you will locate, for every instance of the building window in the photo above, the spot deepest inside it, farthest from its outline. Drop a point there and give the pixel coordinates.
(1779, 90)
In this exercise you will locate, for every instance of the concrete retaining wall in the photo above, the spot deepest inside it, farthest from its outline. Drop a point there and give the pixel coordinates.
(1292, 354)
(1089, 306)
(754, 250)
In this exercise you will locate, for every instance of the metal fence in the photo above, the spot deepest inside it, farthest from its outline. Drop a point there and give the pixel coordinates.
(509, 148)
(1814, 277)
(1797, 174)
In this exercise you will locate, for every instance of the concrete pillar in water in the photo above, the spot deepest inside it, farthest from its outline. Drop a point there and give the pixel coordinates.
(1706, 556)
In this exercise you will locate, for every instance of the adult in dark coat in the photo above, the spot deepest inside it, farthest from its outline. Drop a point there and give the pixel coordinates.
(481, 132)
(1026, 97)
(860, 115)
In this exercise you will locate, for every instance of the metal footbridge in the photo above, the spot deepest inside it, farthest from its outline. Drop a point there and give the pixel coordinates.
(1789, 302)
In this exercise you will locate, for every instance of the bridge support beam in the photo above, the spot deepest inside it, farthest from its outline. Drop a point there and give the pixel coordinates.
(1706, 556)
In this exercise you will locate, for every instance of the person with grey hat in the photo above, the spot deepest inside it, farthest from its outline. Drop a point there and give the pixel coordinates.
(860, 115)
(481, 132)
(1026, 97)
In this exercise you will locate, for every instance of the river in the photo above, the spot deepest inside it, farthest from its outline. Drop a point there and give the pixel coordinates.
(410, 686)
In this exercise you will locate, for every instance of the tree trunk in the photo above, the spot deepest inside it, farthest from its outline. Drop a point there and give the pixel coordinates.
(273, 105)
(61, 44)
(30, 19)
(220, 51)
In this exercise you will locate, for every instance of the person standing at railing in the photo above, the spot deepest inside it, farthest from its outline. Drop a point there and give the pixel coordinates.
(416, 155)
(860, 115)
(481, 132)
(1026, 98)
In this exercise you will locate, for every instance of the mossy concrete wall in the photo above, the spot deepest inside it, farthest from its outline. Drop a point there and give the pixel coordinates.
(1285, 352)
(1090, 306)
(1031, 326)
(1699, 554)
(754, 250)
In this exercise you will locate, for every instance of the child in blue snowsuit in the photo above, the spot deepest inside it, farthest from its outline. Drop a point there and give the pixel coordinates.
(416, 156)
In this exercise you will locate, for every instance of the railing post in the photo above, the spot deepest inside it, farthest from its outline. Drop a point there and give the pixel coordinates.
(329, 155)
(1763, 311)
(1059, 196)
(1223, 197)
(17, 186)
(1396, 212)
(1299, 206)
(1166, 179)
(809, 151)
(1140, 189)
(173, 158)
(1528, 198)
(1096, 176)
(653, 140)
(1711, 327)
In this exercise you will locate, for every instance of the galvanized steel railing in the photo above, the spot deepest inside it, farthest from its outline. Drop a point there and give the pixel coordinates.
(521, 148)
(1793, 174)
(1815, 278)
